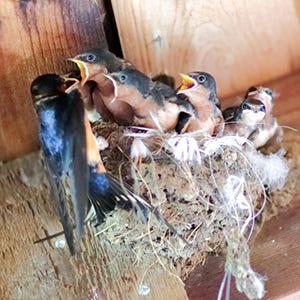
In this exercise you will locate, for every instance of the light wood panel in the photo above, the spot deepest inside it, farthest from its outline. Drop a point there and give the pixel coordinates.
(35, 38)
(241, 43)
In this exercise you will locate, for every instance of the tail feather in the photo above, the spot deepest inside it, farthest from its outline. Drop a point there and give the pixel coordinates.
(60, 197)
(125, 199)
(76, 157)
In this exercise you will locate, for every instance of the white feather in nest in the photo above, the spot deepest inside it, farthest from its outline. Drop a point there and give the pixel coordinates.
(139, 149)
(272, 168)
(184, 148)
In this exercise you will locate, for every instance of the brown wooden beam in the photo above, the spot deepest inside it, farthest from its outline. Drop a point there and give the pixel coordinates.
(36, 37)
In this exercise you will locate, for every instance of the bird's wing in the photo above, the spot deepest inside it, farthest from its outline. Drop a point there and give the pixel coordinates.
(59, 194)
(229, 114)
(76, 157)
(104, 193)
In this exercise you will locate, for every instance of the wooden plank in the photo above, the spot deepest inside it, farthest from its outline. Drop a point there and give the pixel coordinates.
(35, 38)
(241, 43)
(275, 254)
(41, 271)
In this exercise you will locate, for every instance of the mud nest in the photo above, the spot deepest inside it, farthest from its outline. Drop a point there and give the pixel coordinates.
(212, 191)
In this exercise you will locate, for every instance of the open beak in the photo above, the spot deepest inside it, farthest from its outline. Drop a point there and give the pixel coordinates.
(83, 69)
(187, 83)
(70, 82)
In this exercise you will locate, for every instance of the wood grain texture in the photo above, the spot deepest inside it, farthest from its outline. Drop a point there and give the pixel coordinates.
(241, 43)
(41, 271)
(36, 37)
(38, 271)
(275, 254)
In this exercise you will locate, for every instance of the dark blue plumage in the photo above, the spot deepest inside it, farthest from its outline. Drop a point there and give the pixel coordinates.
(70, 151)
(62, 135)
(99, 188)
(105, 193)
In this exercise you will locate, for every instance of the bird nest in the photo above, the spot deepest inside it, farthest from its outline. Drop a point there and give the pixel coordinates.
(210, 189)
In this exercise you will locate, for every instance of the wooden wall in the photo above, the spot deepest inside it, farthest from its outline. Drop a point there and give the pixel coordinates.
(240, 42)
(35, 38)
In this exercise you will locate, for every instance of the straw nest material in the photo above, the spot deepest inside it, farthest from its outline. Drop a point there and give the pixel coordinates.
(210, 189)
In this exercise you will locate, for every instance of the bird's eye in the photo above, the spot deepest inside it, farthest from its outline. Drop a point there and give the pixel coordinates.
(263, 108)
(269, 92)
(123, 78)
(90, 57)
(201, 78)
(245, 106)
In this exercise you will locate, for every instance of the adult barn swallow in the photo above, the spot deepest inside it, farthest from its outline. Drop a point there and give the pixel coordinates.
(200, 88)
(243, 120)
(63, 140)
(154, 104)
(268, 129)
(61, 130)
(70, 150)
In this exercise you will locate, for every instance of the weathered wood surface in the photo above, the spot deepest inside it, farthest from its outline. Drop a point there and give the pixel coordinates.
(241, 43)
(275, 254)
(42, 271)
(36, 37)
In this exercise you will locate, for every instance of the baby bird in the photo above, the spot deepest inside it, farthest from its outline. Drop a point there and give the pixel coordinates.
(154, 104)
(243, 120)
(268, 130)
(200, 89)
(97, 89)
